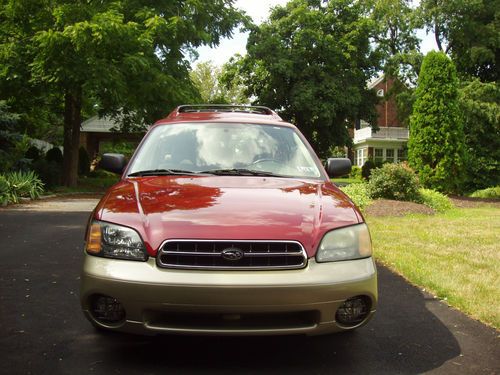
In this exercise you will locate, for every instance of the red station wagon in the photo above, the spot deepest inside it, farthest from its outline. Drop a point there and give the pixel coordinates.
(225, 222)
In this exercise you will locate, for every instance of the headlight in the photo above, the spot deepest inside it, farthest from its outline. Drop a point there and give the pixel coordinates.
(114, 241)
(345, 244)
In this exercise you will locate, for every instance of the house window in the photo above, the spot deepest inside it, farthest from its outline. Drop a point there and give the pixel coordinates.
(361, 156)
(378, 155)
(402, 155)
(389, 155)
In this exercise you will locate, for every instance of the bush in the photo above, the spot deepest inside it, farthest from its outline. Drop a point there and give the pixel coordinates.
(435, 200)
(4, 191)
(356, 172)
(436, 147)
(23, 185)
(54, 155)
(492, 192)
(366, 169)
(50, 172)
(83, 162)
(394, 181)
(33, 153)
(358, 194)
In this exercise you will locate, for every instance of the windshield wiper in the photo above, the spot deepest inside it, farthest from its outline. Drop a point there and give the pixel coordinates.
(160, 172)
(241, 172)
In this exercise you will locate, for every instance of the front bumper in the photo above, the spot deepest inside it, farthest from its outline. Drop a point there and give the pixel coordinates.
(219, 302)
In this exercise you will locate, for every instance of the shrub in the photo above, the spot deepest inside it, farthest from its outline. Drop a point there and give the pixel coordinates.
(366, 169)
(436, 147)
(83, 162)
(358, 194)
(33, 153)
(23, 185)
(55, 155)
(356, 172)
(394, 181)
(4, 191)
(492, 192)
(435, 200)
(50, 172)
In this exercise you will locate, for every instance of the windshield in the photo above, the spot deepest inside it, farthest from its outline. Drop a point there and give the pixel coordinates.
(225, 147)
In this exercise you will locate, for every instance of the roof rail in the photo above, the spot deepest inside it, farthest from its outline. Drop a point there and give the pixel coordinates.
(254, 109)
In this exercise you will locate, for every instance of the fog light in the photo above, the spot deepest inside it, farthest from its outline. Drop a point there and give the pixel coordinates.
(106, 309)
(353, 311)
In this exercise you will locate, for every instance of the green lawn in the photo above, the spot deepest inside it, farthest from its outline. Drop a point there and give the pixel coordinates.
(347, 180)
(454, 255)
(98, 184)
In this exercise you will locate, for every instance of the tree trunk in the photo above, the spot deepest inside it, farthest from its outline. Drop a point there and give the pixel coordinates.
(72, 122)
(437, 36)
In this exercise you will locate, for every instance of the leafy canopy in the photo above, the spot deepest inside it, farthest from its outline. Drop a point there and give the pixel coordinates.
(469, 31)
(480, 105)
(311, 61)
(124, 58)
(213, 87)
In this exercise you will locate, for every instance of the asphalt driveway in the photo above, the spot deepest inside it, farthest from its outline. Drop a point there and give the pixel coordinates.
(42, 330)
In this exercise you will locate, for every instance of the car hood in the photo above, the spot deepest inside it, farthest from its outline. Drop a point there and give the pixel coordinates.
(227, 207)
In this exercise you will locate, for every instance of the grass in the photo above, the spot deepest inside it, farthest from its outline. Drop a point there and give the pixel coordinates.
(97, 184)
(346, 180)
(454, 255)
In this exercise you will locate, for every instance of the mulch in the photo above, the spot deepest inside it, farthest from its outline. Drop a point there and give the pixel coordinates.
(468, 202)
(387, 207)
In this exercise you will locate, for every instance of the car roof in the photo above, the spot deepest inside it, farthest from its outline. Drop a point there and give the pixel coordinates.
(223, 113)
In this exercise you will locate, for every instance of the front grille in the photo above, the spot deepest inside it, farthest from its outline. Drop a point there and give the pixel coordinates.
(231, 321)
(231, 255)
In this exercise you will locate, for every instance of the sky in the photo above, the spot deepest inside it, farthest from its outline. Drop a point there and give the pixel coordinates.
(259, 11)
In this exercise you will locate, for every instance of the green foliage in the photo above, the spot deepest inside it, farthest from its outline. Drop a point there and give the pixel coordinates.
(366, 169)
(54, 155)
(356, 172)
(396, 38)
(468, 30)
(125, 148)
(435, 200)
(83, 162)
(436, 146)
(311, 61)
(33, 153)
(49, 172)
(23, 185)
(358, 193)
(394, 181)
(4, 191)
(127, 59)
(492, 192)
(480, 105)
(213, 88)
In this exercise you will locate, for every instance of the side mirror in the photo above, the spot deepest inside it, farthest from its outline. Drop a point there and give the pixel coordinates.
(115, 163)
(337, 167)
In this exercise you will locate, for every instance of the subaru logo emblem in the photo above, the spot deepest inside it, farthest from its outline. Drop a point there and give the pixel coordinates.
(232, 253)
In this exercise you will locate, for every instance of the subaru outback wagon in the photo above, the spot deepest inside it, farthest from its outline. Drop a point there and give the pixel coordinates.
(225, 222)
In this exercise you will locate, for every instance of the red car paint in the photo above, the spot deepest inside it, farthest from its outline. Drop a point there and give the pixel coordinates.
(227, 207)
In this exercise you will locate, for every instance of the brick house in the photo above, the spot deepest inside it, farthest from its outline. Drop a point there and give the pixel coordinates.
(389, 142)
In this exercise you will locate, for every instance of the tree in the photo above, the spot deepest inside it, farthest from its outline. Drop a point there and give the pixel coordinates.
(480, 104)
(209, 80)
(436, 144)
(396, 38)
(398, 45)
(125, 58)
(468, 31)
(310, 61)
